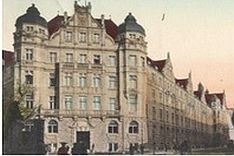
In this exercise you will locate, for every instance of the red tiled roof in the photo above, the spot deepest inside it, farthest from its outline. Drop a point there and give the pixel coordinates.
(160, 64)
(182, 82)
(7, 56)
(111, 27)
(54, 24)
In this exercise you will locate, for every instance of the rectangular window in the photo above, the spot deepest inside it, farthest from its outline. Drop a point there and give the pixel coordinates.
(83, 102)
(96, 80)
(53, 57)
(160, 97)
(96, 38)
(82, 80)
(29, 28)
(161, 114)
(113, 147)
(167, 116)
(52, 79)
(68, 36)
(133, 81)
(177, 119)
(29, 54)
(82, 37)
(68, 79)
(142, 61)
(154, 113)
(96, 102)
(112, 103)
(112, 60)
(69, 57)
(133, 102)
(83, 58)
(173, 118)
(52, 102)
(28, 77)
(68, 102)
(97, 59)
(29, 101)
(132, 60)
(133, 36)
(112, 82)
(182, 121)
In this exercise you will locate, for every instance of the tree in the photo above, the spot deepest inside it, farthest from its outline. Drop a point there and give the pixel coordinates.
(16, 112)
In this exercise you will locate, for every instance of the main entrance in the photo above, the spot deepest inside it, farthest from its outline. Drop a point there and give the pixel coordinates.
(83, 137)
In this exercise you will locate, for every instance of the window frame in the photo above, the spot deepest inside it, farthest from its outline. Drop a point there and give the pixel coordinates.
(97, 102)
(52, 126)
(68, 101)
(113, 127)
(133, 127)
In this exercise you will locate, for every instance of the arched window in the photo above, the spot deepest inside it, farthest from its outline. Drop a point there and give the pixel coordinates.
(133, 127)
(113, 127)
(53, 126)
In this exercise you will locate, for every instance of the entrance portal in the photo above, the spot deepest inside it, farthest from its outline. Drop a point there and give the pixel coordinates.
(83, 137)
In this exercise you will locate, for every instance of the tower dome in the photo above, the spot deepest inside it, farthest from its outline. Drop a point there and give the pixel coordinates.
(32, 16)
(130, 25)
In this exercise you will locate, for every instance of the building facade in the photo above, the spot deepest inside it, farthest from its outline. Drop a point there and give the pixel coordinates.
(94, 84)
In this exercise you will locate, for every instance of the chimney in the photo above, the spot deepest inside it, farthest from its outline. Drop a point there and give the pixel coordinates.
(103, 21)
(65, 17)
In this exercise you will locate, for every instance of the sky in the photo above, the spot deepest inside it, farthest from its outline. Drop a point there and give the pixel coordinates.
(199, 34)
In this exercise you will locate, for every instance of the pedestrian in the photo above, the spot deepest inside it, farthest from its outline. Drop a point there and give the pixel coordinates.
(92, 149)
(63, 150)
(131, 149)
(181, 148)
(75, 149)
(142, 149)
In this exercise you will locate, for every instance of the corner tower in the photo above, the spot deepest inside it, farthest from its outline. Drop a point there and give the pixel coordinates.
(132, 77)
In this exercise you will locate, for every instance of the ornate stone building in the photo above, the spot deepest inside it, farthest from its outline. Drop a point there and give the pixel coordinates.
(94, 83)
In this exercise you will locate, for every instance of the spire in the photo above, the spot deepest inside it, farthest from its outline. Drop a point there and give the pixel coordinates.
(168, 55)
(190, 74)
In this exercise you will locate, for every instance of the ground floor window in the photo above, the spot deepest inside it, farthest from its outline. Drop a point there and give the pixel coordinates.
(113, 147)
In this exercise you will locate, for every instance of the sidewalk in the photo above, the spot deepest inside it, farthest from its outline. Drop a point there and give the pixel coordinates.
(169, 152)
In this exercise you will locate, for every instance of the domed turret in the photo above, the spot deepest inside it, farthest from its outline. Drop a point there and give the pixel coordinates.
(32, 16)
(130, 25)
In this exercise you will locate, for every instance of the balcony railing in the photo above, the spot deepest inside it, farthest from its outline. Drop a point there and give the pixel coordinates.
(79, 113)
